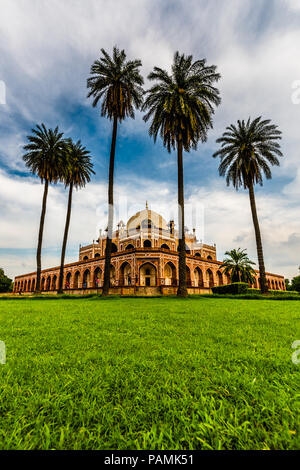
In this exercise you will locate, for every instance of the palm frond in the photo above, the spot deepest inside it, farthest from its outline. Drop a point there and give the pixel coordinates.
(117, 83)
(180, 105)
(247, 149)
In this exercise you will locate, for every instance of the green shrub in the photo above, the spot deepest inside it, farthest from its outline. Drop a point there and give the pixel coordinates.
(274, 292)
(235, 288)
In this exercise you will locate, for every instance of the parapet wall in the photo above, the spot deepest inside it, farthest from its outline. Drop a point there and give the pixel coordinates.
(138, 291)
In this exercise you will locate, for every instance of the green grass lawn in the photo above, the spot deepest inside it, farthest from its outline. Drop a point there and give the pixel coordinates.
(159, 373)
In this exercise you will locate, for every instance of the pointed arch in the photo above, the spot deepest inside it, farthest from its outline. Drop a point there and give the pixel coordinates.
(125, 274)
(86, 279)
(188, 276)
(97, 279)
(76, 280)
(198, 277)
(112, 275)
(68, 280)
(210, 278)
(54, 282)
(148, 274)
(165, 246)
(170, 276)
(219, 278)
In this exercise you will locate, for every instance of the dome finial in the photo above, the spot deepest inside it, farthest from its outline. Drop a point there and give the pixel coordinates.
(147, 205)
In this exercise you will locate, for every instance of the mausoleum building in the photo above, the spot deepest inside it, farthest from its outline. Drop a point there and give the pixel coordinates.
(144, 261)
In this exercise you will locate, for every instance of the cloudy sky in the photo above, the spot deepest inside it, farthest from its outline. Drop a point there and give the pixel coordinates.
(46, 50)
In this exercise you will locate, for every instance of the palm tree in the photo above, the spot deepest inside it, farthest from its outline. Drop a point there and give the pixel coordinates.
(44, 157)
(76, 174)
(246, 152)
(180, 106)
(239, 266)
(119, 84)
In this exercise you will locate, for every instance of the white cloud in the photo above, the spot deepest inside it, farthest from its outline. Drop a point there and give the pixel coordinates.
(292, 4)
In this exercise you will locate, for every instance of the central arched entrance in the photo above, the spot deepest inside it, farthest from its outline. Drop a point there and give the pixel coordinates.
(148, 275)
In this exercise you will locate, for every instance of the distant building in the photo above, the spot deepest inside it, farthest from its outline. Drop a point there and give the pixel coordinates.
(144, 260)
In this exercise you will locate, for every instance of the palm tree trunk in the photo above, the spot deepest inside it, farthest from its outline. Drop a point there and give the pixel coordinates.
(182, 290)
(260, 255)
(64, 245)
(40, 239)
(106, 281)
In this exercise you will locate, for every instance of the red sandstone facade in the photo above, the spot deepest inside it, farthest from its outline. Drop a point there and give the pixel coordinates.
(144, 261)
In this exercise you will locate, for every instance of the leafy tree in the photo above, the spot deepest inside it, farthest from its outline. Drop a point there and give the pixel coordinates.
(6, 284)
(239, 266)
(76, 173)
(118, 84)
(181, 105)
(287, 284)
(295, 284)
(45, 158)
(246, 152)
